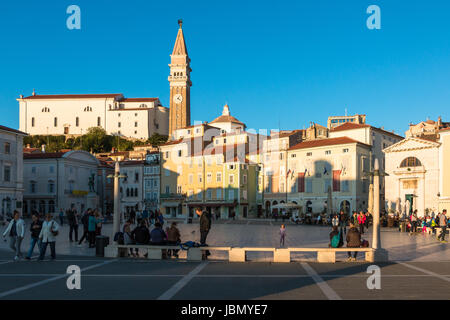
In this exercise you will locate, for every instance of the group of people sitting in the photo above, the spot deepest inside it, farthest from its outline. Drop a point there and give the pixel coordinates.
(141, 235)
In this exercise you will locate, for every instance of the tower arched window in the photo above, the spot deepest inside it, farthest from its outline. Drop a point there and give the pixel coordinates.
(143, 105)
(99, 121)
(32, 122)
(45, 109)
(77, 121)
(55, 122)
(87, 109)
(410, 162)
(128, 192)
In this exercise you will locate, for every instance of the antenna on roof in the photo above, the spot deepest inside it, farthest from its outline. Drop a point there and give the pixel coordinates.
(345, 111)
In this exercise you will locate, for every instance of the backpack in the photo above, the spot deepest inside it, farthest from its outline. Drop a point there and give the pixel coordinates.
(189, 244)
(336, 240)
(119, 237)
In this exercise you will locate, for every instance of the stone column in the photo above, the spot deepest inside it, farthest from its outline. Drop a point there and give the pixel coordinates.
(116, 221)
(379, 253)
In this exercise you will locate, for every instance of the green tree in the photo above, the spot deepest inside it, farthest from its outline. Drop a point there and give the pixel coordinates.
(156, 139)
(95, 140)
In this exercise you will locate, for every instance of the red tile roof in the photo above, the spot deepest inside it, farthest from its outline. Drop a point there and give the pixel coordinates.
(349, 126)
(43, 155)
(12, 130)
(139, 99)
(227, 119)
(326, 142)
(74, 96)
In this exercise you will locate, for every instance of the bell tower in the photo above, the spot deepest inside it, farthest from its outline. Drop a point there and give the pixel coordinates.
(180, 84)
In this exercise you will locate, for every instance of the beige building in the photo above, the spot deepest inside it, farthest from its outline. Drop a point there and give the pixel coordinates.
(340, 163)
(74, 114)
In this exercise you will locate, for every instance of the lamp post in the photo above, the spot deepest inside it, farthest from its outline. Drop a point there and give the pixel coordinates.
(116, 218)
(379, 254)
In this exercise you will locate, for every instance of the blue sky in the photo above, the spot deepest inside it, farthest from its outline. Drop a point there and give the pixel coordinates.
(276, 63)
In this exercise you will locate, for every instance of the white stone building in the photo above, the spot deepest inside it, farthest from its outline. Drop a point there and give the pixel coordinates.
(74, 114)
(11, 170)
(413, 168)
(131, 187)
(59, 180)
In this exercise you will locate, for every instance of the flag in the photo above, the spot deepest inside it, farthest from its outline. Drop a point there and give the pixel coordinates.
(292, 175)
(287, 173)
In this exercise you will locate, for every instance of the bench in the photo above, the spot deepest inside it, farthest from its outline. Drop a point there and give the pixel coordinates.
(239, 254)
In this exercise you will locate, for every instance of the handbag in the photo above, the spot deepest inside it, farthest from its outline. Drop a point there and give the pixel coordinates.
(54, 233)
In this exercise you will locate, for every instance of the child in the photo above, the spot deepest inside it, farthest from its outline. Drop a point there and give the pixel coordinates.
(282, 235)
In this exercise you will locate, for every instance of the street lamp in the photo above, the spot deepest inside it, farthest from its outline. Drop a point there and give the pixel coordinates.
(116, 218)
(379, 253)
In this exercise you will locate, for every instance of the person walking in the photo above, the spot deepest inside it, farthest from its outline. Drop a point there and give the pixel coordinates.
(16, 231)
(92, 225)
(160, 218)
(368, 218)
(61, 216)
(72, 219)
(49, 231)
(141, 235)
(282, 235)
(361, 222)
(35, 229)
(442, 218)
(173, 238)
(353, 241)
(85, 222)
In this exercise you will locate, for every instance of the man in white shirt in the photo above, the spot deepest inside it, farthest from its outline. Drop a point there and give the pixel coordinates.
(15, 231)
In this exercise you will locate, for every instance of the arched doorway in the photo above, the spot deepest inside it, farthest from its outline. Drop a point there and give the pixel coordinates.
(345, 206)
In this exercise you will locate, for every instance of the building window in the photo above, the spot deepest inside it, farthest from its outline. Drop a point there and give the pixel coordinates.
(51, 187)
(327, 152)
(219, 194)
(143, 106)
(209, 177)
(77, 121)
(32, 122)
(191, 178)
(200, 177)
(135, 124)
(7, 148)
(119, 124)
(180, 153)
(244, 179)
(32, 187)
(55, 122)
(309, 154)
(231, 179)
(167, 154)
(167, 189)
(345, 150)
(293, 155)
(410, 162)
(179, 189)
(99, 121)
(87, 109)
(7, 174)
(219, 177)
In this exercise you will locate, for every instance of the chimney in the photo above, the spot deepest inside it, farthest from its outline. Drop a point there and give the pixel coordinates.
(43, 148)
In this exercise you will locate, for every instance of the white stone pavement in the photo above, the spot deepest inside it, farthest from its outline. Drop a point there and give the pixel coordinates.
(254, 233)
